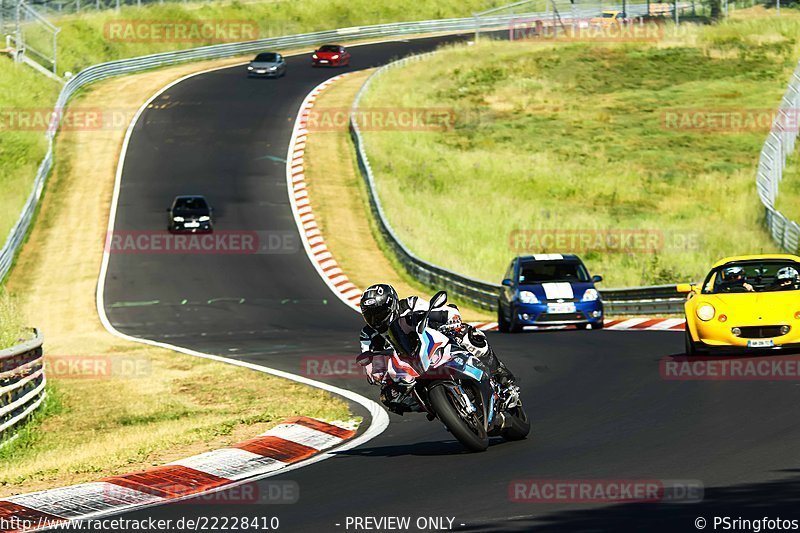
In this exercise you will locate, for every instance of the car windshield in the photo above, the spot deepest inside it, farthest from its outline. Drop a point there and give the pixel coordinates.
(191, 204)
(552, 271)
(608, 15)
(267, 57)
(753, 276)
(329, 48)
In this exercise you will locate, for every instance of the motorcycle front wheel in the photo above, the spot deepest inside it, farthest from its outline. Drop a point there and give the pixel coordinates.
(467, 428)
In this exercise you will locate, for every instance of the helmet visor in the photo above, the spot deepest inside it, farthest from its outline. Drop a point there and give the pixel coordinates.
(377, 316)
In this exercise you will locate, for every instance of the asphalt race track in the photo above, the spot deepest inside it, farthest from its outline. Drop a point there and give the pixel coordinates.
(600, 406)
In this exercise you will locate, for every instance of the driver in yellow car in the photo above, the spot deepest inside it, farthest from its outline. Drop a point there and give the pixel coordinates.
(733, 280)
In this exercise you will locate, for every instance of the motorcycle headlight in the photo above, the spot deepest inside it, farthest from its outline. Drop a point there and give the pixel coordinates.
(204, 218)
(527, 297)
(177, 219)
(590, 295)
(706, 312)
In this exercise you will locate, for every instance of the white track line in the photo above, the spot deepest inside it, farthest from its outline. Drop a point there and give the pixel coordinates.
(380, 420)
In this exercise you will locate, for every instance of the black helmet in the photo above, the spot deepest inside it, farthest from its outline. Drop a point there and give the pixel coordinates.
(380, 306)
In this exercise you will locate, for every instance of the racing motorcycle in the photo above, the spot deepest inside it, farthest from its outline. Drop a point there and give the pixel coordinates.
(454, 386)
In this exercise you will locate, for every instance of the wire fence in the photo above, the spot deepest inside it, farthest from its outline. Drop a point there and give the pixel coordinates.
(777, 148)
(31, 35)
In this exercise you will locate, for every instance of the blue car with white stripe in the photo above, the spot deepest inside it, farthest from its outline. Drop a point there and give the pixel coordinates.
(549, 290)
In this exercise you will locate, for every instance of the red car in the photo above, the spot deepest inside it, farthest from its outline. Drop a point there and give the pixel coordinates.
(330, 55)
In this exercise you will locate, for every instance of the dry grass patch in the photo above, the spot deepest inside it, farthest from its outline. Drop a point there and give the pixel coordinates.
(341, 205)
(12, 324)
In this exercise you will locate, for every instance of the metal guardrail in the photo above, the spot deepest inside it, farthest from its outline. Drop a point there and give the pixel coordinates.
(22, 382)
(660, 299)
(777, 148)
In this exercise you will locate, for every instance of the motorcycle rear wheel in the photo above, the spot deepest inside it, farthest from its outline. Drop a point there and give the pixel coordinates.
(472, 436)
(520, 424)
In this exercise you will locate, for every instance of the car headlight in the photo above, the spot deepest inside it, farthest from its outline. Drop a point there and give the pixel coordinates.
(249, 67)
(314, 56)
(273, 68)
(706, 312)
(590, 295)
(527, 297)
(335, 56)
(204, 218)
(177, 219)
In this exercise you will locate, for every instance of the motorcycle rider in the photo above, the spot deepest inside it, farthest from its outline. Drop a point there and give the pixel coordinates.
(382, 308)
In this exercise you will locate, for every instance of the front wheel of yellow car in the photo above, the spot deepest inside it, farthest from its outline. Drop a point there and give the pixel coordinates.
(690, 347)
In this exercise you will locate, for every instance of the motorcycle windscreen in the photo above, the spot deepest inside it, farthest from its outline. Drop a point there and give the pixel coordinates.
(404, 343)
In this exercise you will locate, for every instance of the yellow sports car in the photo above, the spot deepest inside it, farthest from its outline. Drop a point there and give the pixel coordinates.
(745, 302)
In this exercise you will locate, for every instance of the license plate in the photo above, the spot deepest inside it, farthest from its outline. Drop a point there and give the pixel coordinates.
(561, 308)
(192, 225)
(261, 71)
(323, 60)
(760, 343)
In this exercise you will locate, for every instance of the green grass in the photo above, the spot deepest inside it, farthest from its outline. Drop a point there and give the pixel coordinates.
(22, 91)
(572, 137)
(12, 325)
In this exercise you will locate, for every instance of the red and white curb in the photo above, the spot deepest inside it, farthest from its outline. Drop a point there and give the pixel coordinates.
(292, 441)
(621, 324)
(312, 237)
(647, 324)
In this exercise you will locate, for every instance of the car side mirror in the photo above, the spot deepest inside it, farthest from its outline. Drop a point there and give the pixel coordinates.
(685, 288)
(506, 282)
(597, 279)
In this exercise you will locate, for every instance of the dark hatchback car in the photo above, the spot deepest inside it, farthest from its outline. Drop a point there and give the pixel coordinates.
(267, 65)
(549, 290)
(190, 214)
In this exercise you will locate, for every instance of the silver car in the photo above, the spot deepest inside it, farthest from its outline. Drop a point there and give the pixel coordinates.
(267, 65)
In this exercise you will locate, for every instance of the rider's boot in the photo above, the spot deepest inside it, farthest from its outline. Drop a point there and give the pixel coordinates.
(500, 372)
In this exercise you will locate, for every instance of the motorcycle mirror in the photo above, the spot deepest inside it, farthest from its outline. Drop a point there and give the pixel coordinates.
(439, 299)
